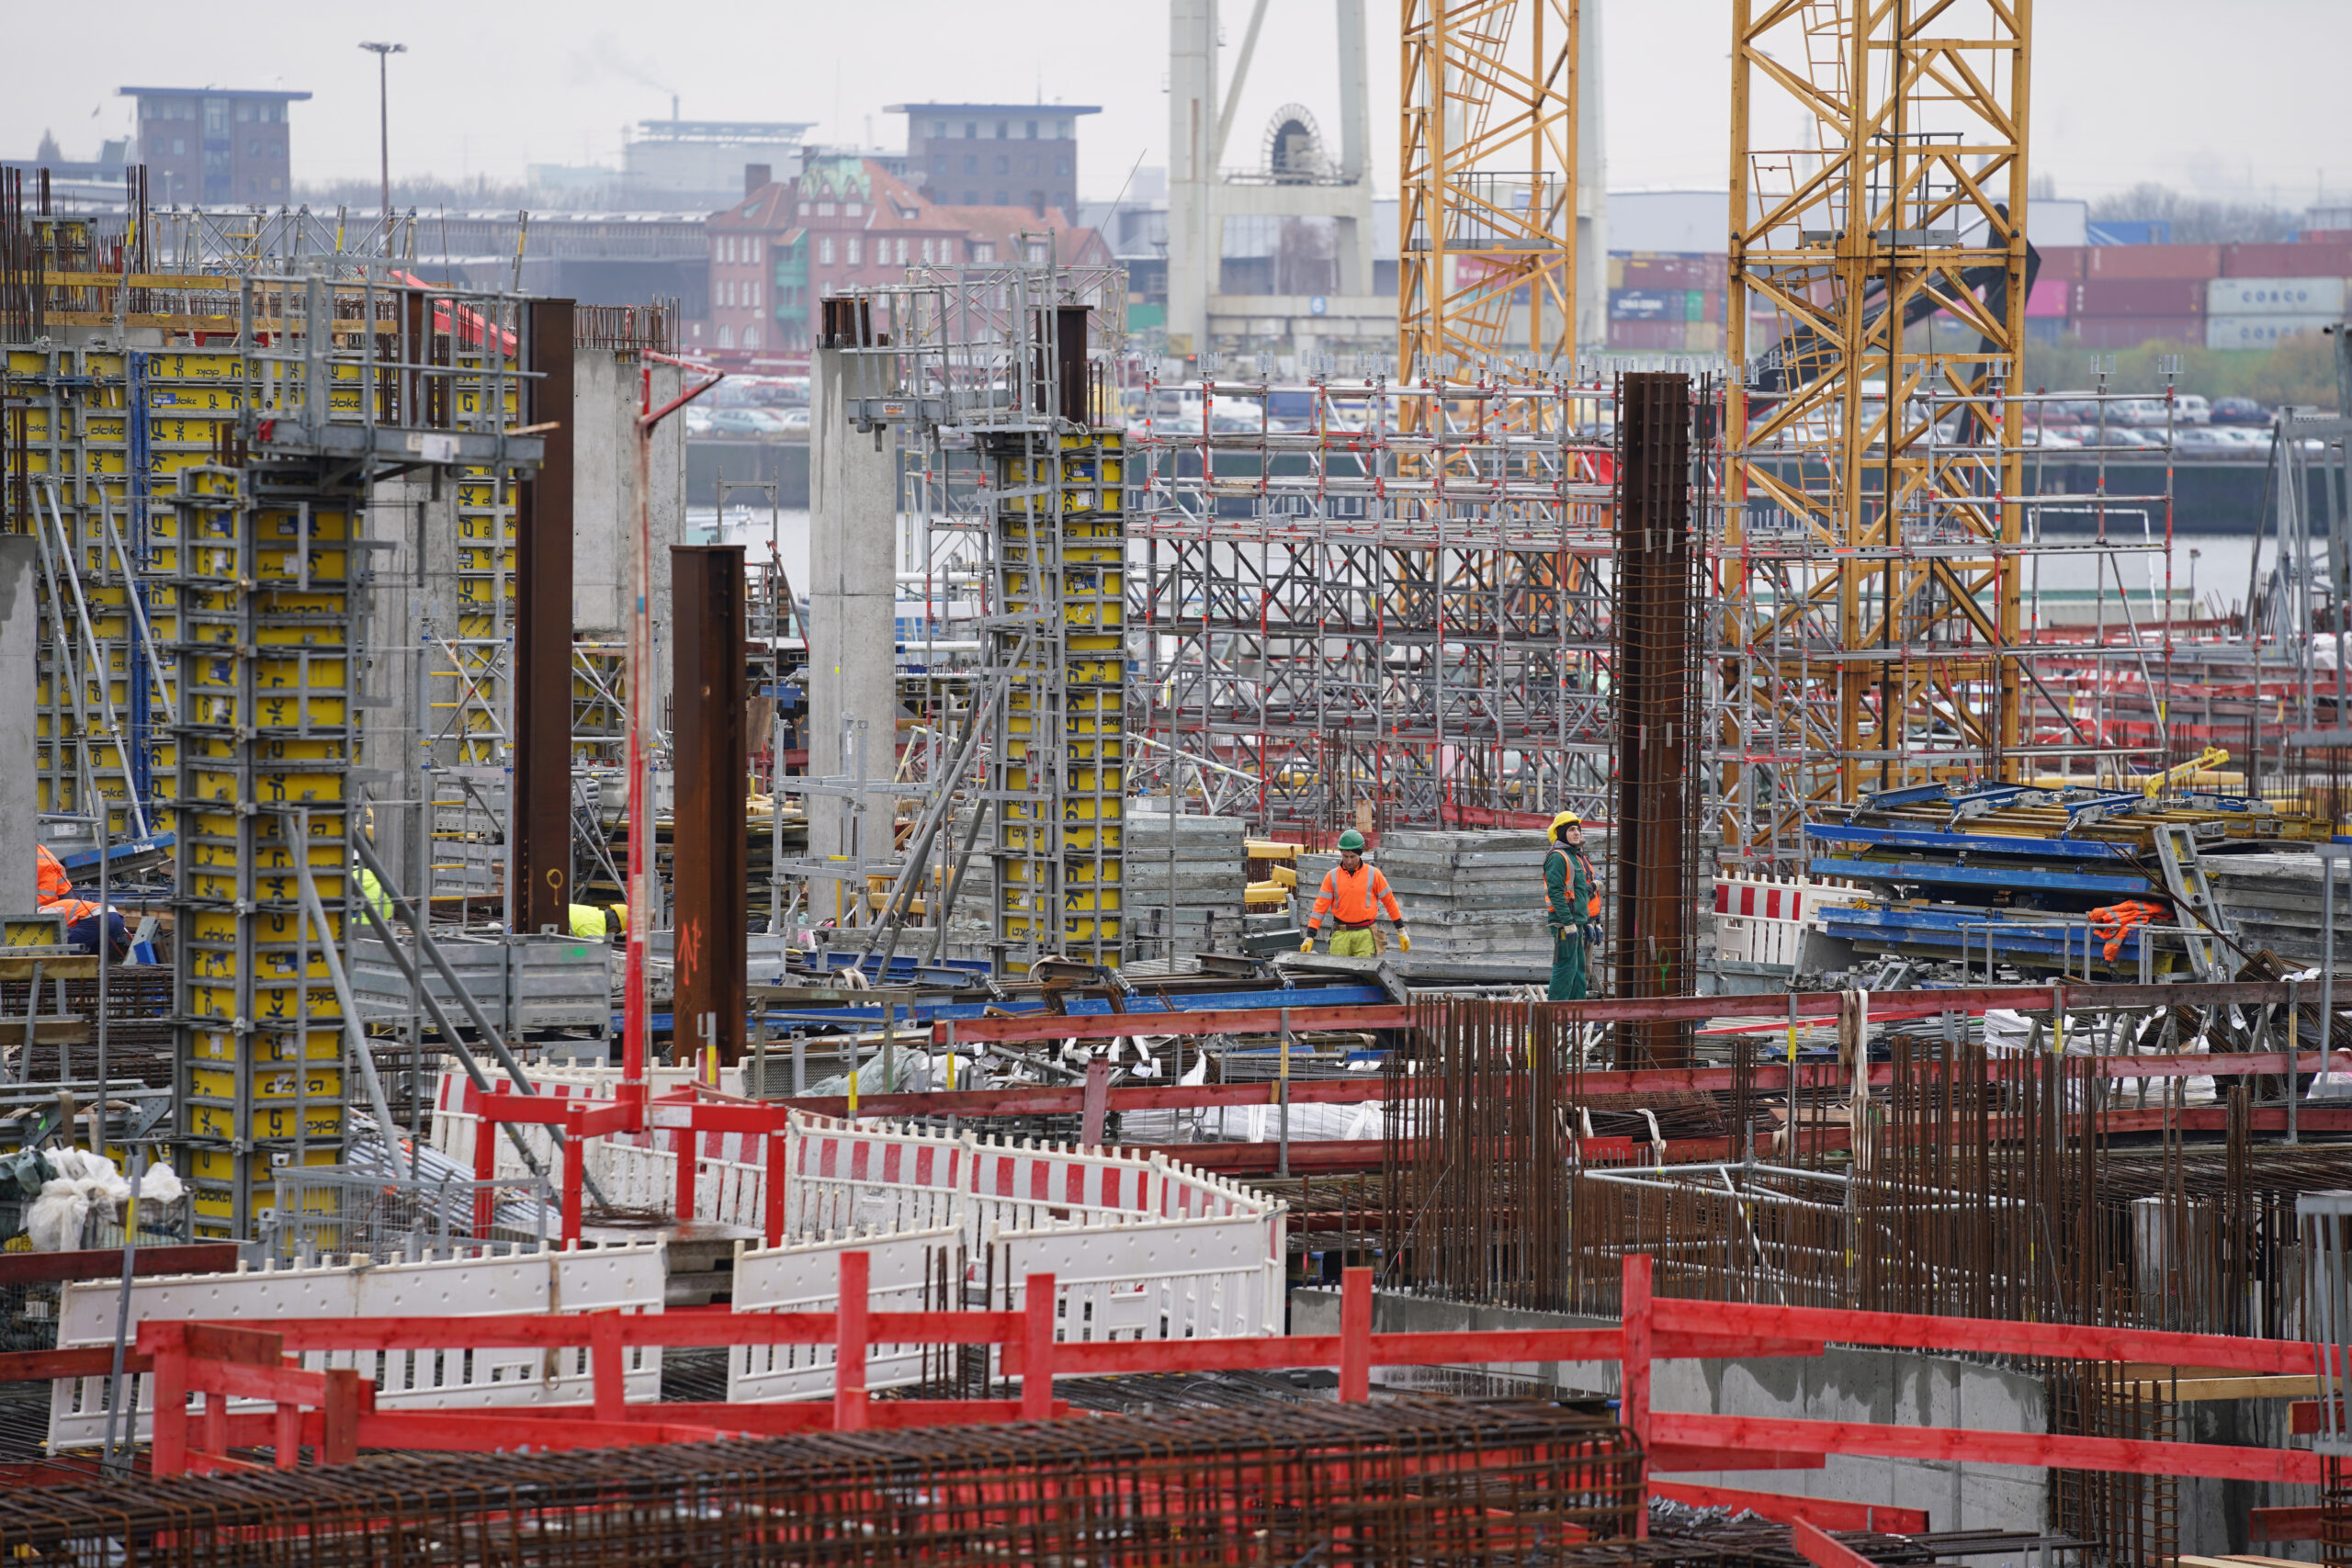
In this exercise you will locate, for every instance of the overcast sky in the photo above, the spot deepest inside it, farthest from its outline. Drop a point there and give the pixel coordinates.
(2222, 96)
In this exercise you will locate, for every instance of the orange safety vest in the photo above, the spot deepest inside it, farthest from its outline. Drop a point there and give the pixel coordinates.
(2116, 921)
(1577, 860)
(1353, 901)
(50, 881)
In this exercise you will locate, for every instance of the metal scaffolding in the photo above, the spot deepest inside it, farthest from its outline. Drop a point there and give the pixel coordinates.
(1399, 601)
(1021, 490)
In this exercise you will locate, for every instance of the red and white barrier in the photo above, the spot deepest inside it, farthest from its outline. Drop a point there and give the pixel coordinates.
(625, 1278)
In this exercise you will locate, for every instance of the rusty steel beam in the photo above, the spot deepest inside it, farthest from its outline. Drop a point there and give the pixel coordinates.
(708, 845)
(539, 814)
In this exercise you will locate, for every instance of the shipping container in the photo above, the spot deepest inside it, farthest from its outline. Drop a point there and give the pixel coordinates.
(2152, 261)
(1710, 305)
(1616, 272)
(2063, 263)
(2261, 331)
(1657, 270)
(2049, 297)
(2131, 331)
(1652, 337)
(2274, 296)
(2319, 259)
(1703, 337)
(2139, 297)
(1646, 305)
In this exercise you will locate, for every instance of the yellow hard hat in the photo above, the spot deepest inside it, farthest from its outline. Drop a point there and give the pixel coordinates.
(1563, 820)
(619, 912)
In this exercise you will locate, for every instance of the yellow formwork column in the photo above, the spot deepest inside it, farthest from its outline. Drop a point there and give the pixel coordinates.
(270, 593)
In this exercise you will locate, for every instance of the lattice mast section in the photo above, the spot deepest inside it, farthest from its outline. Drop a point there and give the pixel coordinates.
(1488, 263)
(1872, 479)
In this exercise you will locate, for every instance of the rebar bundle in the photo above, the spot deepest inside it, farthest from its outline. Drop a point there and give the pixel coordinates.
(1655, 641)
(1420, 1483)
(1976, 1183)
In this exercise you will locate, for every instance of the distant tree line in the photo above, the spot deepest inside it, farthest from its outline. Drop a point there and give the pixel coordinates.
(2196, 220)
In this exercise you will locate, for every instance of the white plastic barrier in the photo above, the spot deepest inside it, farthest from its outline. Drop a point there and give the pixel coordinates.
(629, 1279)
(1167, 1279)
(1762, 920)
(455, 1118)
(1158, 1248)
(882, 1178)
(805, 1276)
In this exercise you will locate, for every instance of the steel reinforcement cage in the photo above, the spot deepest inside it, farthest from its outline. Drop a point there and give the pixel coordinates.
(1407, 1481)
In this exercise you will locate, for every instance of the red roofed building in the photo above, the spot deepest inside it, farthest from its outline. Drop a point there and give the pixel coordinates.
(847, 222)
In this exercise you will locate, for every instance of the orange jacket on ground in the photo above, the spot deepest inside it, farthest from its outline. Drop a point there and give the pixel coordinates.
(50, 881)
(1354, 900)
(2116, 921)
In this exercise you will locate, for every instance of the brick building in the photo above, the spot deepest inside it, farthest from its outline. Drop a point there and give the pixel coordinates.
(846, 222)
(995, 155)
(205, 146)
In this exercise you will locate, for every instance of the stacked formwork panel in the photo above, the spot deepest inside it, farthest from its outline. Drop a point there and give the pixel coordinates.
(1060, 590)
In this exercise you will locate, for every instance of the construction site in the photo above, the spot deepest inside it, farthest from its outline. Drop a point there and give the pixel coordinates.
(1456, 952)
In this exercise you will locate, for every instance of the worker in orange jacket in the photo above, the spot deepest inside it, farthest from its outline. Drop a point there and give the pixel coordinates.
(83, 920)
(1353, 895)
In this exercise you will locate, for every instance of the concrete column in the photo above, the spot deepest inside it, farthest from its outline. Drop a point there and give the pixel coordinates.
(1358, 242)
(1192, 238)
(1592, 183)
(20, 672)
(852, 633)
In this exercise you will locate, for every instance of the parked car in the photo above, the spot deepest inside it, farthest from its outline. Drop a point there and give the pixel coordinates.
(745, 422)
(697, 423)
(2239, 410)
(2048, 440)
(2139, 411)
(792, 421)
(2189, 408)
(2196, 441)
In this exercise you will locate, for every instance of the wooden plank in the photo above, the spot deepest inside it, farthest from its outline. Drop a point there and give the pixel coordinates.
(106, 1262)
(2285, 1524)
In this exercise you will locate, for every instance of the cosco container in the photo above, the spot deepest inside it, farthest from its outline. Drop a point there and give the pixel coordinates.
(2273, 297)
(2262, 331)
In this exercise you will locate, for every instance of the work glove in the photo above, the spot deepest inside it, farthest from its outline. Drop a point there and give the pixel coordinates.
(1404, 942)
(1307, 944)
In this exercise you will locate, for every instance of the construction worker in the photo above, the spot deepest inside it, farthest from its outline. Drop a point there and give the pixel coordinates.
(1353, 895)
(50, 881)
(599, 922)
(83, 920)
(371, 888)
(1572, 903)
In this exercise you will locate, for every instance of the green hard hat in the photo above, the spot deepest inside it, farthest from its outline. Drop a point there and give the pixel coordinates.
(1352, 839)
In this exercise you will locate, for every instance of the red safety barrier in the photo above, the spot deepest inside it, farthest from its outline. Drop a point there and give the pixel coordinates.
(334, 1412)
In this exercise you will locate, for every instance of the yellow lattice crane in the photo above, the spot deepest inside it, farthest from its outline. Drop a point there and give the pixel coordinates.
(1878, 275)
(1488, 174)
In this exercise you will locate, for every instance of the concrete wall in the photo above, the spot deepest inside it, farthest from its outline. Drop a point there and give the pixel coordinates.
(20, 672)
(1886, 1387)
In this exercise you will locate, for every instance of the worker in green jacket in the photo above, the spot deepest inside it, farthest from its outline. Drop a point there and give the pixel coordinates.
(1572, 905)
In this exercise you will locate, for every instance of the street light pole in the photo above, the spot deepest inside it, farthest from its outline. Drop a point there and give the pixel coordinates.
(383, 53)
